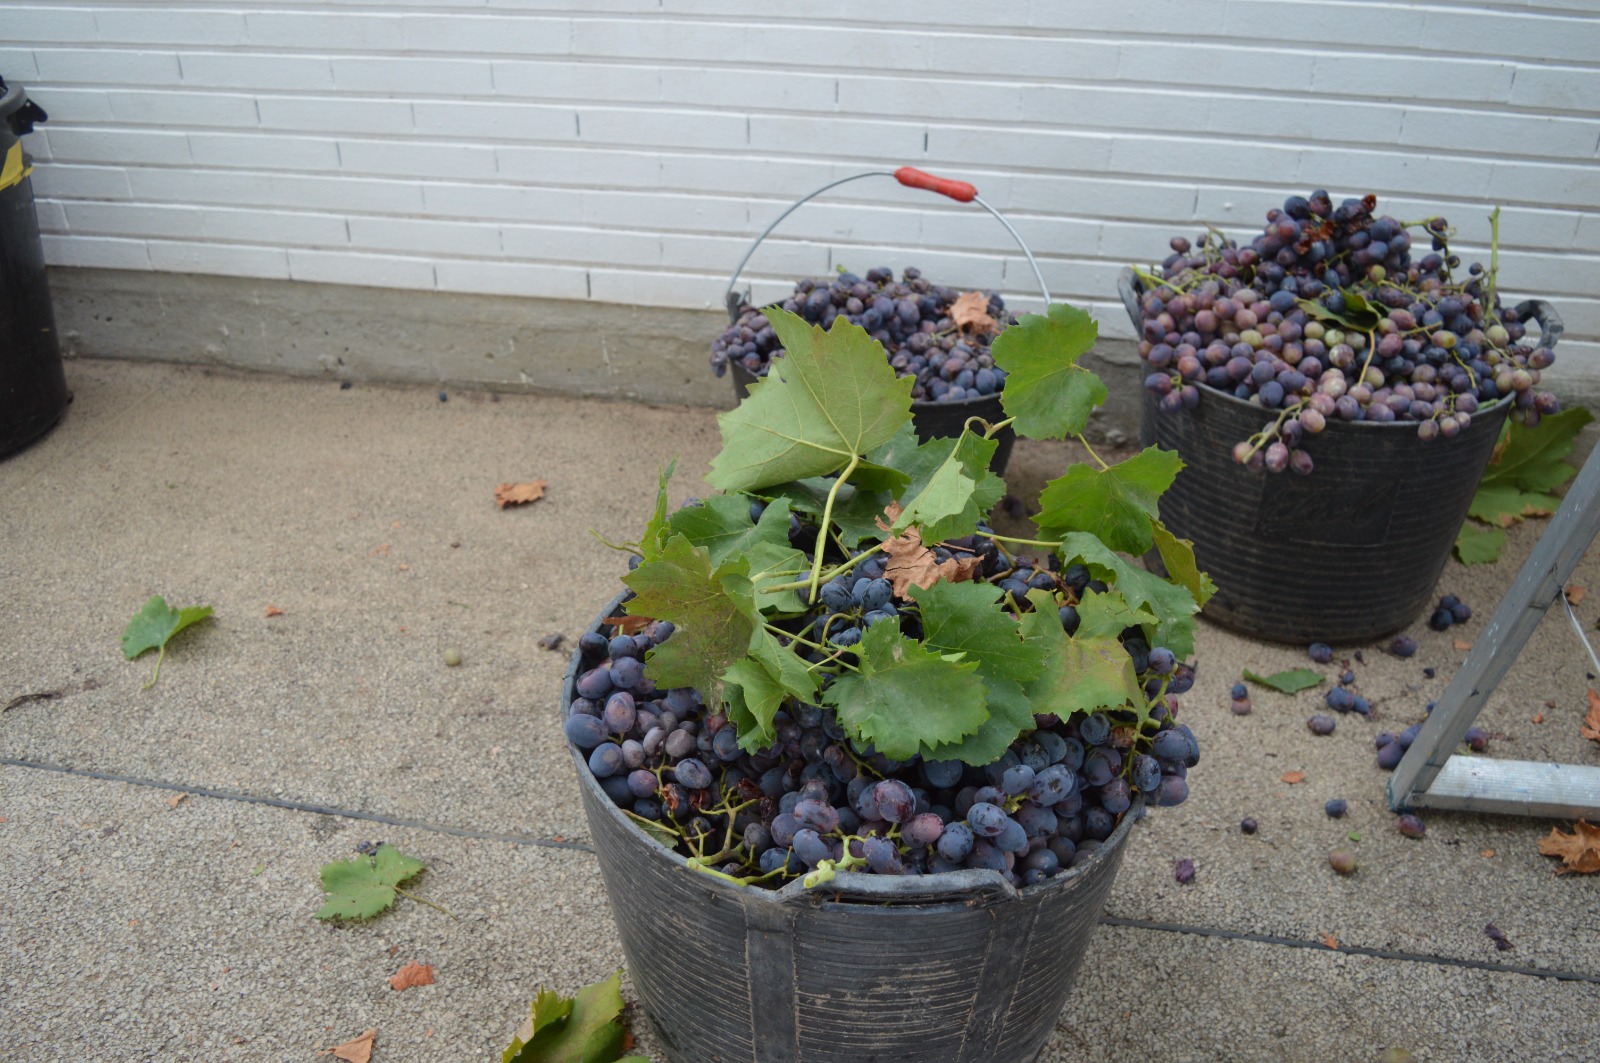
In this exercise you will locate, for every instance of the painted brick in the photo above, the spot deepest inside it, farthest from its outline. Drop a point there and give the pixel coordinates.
(63, 180)
(409, 75)
(704, 129)
(264, 151)
(98, 252)
(423, 236)
(133, 220)
(502, 202)
(324, 114)
(775, 89)
(372, 271)
(512, 278)
(125, 146)
(1555, 88)
(66, 25)
(1499, 134)
(421, 159)
(329, 32)
(294, 228)
(562, 165)
(170, 28)
(76, 106)
(837, 138)
(183, 108)
(560, 79)
(17, 65)
(105, 66)
(251, 71)
(496, 121)
(646, 288)
(478, 35)
(52, 216)
(1462, 80)
(581, 246)
(231, 260)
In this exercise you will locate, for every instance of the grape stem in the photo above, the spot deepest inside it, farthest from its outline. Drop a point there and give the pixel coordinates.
(423, 900)
(1022, 542)
(827, 522)
(991, 429)
(1494, 262)
(1085, 444)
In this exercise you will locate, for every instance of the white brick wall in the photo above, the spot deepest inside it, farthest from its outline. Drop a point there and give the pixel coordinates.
(628, 150)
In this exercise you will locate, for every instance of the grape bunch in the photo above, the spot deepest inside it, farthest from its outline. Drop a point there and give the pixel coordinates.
(1326, 315)
(815, 800)
(911, 318)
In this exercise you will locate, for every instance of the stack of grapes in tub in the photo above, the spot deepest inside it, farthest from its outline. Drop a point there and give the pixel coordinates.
(935, 334)
(815, 797)
(1326, 315)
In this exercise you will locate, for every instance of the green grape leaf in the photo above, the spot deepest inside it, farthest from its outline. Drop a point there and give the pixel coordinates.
(1291, 682)
(664, 835)
(723, 526)
(1118, 504)
(1010, 713)
(585, 1029)
(1531, 458)
(754, 697)
(1174, 605)
(905, 696)
(153, 626)
(655, 530)
(968, 618)
(1079, 673)
(784, 665)
(1047, 391)
(362, 887)
(1358, 314)
(1108, 614)
(855, 512)
(1504, 504)
(1178, 557)
(776, 558)
(833, 396)
(1479, 546)
(952, 488)
(712, 609)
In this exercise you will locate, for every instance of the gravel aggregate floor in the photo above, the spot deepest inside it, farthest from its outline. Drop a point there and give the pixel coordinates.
(136, 928)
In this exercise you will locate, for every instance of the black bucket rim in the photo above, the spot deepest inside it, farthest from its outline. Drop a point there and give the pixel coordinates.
(941, 891)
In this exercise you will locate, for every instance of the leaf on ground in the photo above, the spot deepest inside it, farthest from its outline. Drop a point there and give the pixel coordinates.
(1293, 777)
(174, 802)
(1461, 644)
(1531, 459)
(1119, 504)
(912, 564)
(1328, 940)
(520, 494)
(970, 312)
(1291, 682)
(153, 626)
(906, 696)
(1579, 851)
(1590, 727)
(831, 397)
(273, 610)
(968, 618)
(1079, 673)
(412, 974)
(584, 1029)
(358, 1050)
(1505, 504)
(362, 887)
(1479, 546)
(1047, 391)
(711, 607)
(1575, 593)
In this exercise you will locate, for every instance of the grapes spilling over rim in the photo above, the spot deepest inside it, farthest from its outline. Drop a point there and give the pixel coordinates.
(1326, 316)
(927, 331)
(816, 801)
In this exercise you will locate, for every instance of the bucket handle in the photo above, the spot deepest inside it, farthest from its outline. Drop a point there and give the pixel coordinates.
(960, 191)
(1550, 325)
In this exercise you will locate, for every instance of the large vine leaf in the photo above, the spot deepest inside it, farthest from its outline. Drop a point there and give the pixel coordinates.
(1010, 713)
(155, 625)
(905, 697)
(1079, 673)
(361, 887)
(1047, 391)
(758, 686)
(1108, 613)
(1178, 557)
(952, 488)
(1174, 605)
(832, 397)
(968, 618)
(723, 526)
(855, 510)
(712, 609)
(777, 564)
(1118, 504)
(585, 1029)
(1527, 467)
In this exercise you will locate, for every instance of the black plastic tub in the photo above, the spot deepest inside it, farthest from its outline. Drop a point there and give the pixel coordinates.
(1348, 554)
(931, 420)
(951, 968)
(33, 383)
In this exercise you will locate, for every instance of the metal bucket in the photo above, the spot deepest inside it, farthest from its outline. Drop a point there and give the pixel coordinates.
(959, 967)
(1350, 553)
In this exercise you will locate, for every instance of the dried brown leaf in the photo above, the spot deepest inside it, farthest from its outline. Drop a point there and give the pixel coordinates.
(1462, 644)
(1579, 851)
(1590, 727)
(1487, 854)
(273, 610)
(520, 494)
(1575, 593)
(176, 801)
(1329, 940)
(358, 1050)
(628, 625)
(412, 974)
(1538, 717)
(970, 312)
(1292, 777)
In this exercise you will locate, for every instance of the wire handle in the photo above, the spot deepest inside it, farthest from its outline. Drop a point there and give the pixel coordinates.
(960, 191)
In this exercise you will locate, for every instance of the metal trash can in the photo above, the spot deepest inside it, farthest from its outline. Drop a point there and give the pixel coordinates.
(33, 385)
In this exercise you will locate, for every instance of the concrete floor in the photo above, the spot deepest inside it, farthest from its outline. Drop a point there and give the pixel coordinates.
(138, 926)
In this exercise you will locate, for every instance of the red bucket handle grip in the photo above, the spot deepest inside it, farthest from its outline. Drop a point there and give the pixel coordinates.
(960, 191)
